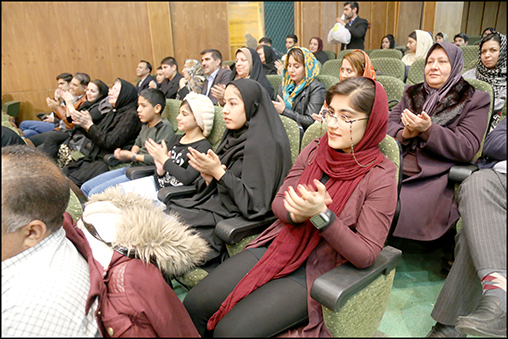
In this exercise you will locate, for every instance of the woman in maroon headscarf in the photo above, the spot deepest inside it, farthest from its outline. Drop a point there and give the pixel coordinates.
(335, 205)
(316, 47)
(439, 123)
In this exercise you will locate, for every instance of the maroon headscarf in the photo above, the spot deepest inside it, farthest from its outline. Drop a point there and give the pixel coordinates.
(320, 44)
(293, 244)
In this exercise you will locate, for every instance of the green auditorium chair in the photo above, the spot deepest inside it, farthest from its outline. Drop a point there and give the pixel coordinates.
(385, 53)
(416, 73)
(171, 111)
(474, 40)
(12, 108)
(354, 300)
(390, 66)
(485, 87)
(341, 54)
(327, 80)
(331, 67)
(470, 56)
(394, 89)
(331, 54)
(228, 62)
(276, 81)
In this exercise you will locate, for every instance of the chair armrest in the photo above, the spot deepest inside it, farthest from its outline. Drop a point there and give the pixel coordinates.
(459, 173)
(173, 192)
(235, 229)
(111, 160)
(137, 172)
(334, 288)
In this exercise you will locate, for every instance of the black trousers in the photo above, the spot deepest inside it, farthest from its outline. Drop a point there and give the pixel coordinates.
(275, 307)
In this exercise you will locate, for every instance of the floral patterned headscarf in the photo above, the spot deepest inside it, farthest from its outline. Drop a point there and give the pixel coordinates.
(290, 90)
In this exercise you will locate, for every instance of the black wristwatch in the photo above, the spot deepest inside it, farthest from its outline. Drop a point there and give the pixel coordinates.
(322, 220)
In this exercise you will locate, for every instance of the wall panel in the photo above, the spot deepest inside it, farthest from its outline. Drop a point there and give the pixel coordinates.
(410, 16)
(198, 26)
(474, 20)
(103, 39)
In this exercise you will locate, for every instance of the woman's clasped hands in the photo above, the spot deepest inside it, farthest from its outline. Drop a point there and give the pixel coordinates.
(414, 124)
(208, 164)
(306, 202)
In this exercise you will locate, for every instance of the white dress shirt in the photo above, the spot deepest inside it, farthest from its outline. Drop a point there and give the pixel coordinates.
(44, 291)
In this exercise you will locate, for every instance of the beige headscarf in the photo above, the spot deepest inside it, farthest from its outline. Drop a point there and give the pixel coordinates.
(248, 55)
(423, 44)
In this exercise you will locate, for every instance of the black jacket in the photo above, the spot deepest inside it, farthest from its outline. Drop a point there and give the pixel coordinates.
(358, 30)
(309, 101)
(145, 83)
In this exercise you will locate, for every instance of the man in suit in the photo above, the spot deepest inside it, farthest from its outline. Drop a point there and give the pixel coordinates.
(211, 60)
(143, 72)
(172, 78)
(356, 25)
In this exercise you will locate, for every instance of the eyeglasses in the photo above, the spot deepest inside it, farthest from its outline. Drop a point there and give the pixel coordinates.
(328, 116)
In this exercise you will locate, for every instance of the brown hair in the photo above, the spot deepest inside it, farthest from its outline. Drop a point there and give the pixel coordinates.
(357, 61)
(297, 54)
(360, 91)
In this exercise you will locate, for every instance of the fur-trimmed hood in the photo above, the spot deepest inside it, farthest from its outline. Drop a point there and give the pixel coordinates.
(154, 235)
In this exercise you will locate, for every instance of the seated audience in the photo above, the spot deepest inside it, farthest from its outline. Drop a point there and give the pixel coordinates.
(439, 123)
(418, 44)
(441, 37)
(247, 66)
(133, 289)
(242, 177)
(45, 280)
(291, 41)
(73, 99)
(151, 103)
(388, 42)
(143, 72)
(354, 64)
(193, 79)
(461, 39)
(268, 41)
(118, 129)
(59, 144)
(50, 121)
(268, 59)
(316, 47)
(172, 77)
(300, 93)
(473, 298)
(216, 75)
(487, 31)
(10, 137)
(335, 205)
(491, 68)
(159, 78)
(171, 159)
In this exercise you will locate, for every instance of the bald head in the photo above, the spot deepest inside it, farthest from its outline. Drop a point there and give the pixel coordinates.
(33, 188)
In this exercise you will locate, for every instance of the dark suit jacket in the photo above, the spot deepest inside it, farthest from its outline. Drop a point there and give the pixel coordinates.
(145, 83)
(222, 77)
(357, 30)
(170, 88)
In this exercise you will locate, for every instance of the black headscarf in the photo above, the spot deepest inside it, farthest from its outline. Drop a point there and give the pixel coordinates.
(256, 72)
(127, 101)
(264, 146)
(270, 57)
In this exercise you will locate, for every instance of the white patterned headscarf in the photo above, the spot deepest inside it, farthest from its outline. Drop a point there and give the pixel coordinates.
(495, 77)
